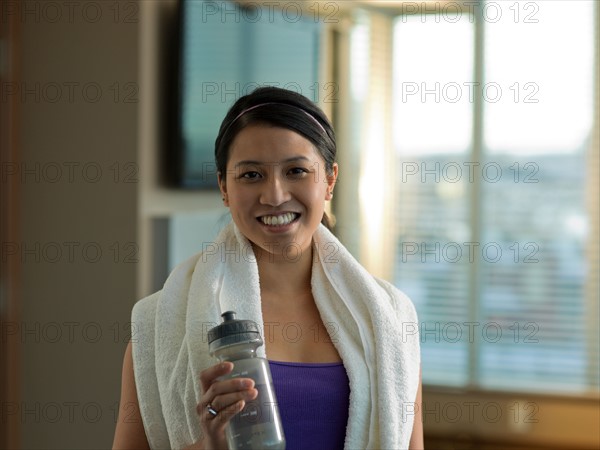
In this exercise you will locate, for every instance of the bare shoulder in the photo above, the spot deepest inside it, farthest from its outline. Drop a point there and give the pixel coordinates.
(129, 433)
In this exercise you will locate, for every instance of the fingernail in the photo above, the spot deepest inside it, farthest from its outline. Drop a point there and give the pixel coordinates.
(247, 383)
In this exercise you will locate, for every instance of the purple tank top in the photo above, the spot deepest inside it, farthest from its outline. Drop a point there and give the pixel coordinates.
(313, 401)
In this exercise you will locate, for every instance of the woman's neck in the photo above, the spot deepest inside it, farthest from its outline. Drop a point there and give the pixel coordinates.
(284, 277)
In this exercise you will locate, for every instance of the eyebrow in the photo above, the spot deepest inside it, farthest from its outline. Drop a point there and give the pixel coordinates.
(258, 163)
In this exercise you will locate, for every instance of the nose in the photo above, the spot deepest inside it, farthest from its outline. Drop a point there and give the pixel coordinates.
(274, 192)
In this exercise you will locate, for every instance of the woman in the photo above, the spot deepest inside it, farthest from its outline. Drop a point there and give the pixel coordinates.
(342, 345)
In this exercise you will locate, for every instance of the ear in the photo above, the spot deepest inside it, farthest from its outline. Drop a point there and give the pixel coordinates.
(223, 188)
(331, 179)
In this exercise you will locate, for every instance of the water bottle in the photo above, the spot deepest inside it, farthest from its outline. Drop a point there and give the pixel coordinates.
(258, 425)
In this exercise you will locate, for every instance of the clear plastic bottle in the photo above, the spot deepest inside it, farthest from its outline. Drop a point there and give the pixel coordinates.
(258, 425)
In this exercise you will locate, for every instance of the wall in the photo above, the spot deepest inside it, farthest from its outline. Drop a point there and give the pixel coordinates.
(79, 216)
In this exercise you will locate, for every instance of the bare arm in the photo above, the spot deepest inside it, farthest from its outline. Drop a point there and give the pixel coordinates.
(416, 439)
(129, 433)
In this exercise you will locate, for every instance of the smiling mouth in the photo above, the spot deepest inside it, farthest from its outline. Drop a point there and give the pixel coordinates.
(279, 220)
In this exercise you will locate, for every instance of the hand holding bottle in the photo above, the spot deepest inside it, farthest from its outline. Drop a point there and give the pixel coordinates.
(258, 424)
(226, 398)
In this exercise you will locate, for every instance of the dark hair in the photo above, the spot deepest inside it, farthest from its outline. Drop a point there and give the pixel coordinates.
(286, 109)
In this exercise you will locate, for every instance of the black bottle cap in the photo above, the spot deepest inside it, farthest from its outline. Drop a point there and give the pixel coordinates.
(234, 330)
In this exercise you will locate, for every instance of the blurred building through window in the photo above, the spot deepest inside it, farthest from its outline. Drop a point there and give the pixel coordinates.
(492, 135)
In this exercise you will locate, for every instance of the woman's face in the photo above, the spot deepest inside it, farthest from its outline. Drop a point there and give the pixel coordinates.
(276, 186)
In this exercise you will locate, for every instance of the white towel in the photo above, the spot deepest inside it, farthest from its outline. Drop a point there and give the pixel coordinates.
(377, 339)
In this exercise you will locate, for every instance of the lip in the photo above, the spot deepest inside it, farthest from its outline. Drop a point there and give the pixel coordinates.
(278, 228)
(276, 213)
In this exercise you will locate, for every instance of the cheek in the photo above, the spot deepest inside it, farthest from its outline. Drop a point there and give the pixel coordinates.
(315, 200)
(238, 201)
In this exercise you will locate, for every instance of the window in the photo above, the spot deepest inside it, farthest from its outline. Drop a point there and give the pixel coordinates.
(431, 212)
(493, 220)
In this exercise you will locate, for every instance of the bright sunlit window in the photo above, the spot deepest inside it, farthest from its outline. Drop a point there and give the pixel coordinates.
(492, 135)
(433, 62)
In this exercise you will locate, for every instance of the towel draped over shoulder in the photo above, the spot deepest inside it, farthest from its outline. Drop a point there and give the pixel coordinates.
(373, 325)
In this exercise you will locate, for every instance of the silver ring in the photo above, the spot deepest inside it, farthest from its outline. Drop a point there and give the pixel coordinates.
(211, 410)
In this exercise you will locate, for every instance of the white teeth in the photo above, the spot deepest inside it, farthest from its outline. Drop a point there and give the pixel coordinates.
(284, 219)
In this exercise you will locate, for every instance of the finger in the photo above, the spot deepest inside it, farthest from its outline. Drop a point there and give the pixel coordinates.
(222, 394)
(208, 376)
(228, 386)
(224, 416)
(223, 401)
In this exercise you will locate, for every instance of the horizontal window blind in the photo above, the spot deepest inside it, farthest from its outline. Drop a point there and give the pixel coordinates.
(540, 137)
(432, 138)
(493, 242)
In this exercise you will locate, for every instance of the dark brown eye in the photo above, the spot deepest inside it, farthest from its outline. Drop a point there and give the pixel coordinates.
(250, 175)
(298, 171)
